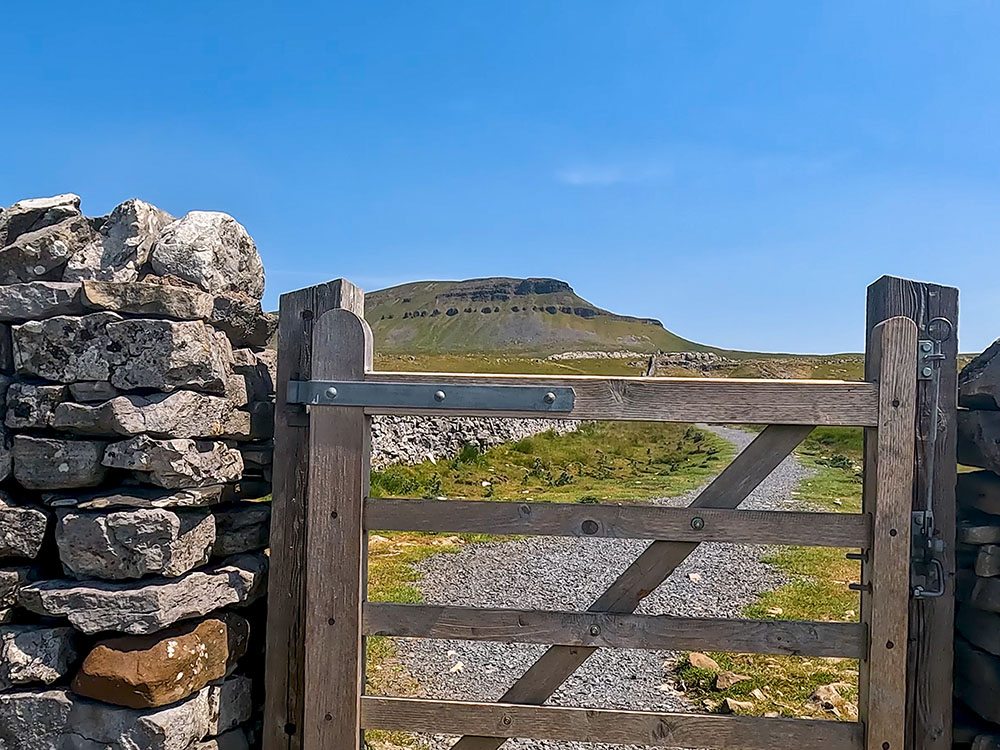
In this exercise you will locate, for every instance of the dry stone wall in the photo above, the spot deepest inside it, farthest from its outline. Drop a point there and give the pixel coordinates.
(136, 426)
(136, 402)
(977, 645)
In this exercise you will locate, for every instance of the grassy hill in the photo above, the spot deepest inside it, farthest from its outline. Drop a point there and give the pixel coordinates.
(527, 317)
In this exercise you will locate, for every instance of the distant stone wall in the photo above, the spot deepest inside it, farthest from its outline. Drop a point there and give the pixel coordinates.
(136, 426)
(136, 422)
(977, 645)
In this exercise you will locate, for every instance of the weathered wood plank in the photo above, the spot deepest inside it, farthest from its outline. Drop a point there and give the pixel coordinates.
(603, 630)
(718, 400)
(339, 470)
(894, 351)
(285, 660)
(620, 522)
(650, 569)
(613, 727)
(931, 620)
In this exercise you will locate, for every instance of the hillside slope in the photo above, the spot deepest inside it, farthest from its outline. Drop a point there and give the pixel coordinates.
(534, 317)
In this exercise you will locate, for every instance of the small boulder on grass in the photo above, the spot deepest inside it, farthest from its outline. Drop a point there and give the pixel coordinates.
(726, 679)
(702, 661)
(732, 706)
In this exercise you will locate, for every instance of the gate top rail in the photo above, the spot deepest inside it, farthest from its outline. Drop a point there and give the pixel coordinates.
(711, 400)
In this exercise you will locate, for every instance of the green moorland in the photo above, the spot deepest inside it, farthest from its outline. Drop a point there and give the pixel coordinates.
(817, 590)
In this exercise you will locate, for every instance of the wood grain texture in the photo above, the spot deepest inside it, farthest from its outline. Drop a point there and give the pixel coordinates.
(603, 630)
(336, 544)
(650, 569)
(712, 400)
(285, 659)
(931, 620)
(620, 522)
(613, 727)
(893, 354)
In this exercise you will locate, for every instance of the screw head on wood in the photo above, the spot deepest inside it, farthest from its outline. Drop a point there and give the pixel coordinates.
(331, 393)
(439, 396)
(595, 630)
(550, 398)
(590, 527)
(697, 523)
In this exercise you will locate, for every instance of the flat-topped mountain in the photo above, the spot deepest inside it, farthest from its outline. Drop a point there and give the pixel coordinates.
(530, 316)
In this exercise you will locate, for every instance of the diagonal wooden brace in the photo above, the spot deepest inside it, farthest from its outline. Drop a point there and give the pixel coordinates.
(649, 570)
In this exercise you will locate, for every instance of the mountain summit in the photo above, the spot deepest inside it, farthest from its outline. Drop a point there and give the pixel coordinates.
(536, 317)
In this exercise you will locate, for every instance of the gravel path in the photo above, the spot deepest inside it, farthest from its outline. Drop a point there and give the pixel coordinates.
(718, 580)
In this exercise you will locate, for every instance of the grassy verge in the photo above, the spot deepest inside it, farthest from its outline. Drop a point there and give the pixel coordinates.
(817, 591)
(605, 461)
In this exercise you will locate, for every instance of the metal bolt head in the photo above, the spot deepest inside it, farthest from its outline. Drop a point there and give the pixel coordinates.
(439, 396)
(506, 720)
(928, 372)
(595, 630)
(331, 393)
(550, 398)
(590, 527)
(697, 523)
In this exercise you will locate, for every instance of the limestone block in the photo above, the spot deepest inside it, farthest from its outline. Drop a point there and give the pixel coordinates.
(977, 680)
(31, 654)
(66, 349)
(38, 300)
(243, 320)
(212, 250)
(177, 463)
(979, 490)
(142, 497)
(167, 355)
(979, 439)
(979, 381)
(147, 671)
(36, 213)
(31, 406)
(141, 607)
(134, 543)
(22, 531)
(56, 719)
(122, 246)
(156, 300)
(245, 527)
(51, 464)
(237, 740)
(41, 255)
(89, 391)
(980, 628)
(988, 561)
(11, 581)
(182, 414)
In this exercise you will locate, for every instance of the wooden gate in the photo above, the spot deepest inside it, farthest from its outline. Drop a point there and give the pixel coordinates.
(319, 619)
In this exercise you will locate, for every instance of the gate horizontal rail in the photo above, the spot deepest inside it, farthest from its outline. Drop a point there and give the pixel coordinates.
(711, 400)
(601, 725)
(847, 640)
(796, 528)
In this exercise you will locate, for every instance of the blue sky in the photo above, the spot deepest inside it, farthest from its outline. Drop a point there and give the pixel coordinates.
(740, 170)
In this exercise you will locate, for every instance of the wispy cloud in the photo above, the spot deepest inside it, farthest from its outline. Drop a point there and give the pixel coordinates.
(604, 175)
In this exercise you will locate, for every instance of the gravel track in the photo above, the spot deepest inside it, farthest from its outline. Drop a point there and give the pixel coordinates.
(718, 580)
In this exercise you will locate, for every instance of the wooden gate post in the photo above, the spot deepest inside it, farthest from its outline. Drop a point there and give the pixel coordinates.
(931, 623)
(286, 658)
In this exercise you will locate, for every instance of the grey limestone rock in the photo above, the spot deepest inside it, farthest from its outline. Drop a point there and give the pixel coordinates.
(36, 213)
(241, 528)
(32, 654)
(31, 406)
(41, 255)
(66, 349)
(137, 298)
(51, 464)
(11, 581)
(212, 250)
(141, 497)
(243, 320)
(176, 463)
(140, 607)
(37, 300)
(182, 414)
(128, 544)
(56, 719)
(122, 246)
(22, 530)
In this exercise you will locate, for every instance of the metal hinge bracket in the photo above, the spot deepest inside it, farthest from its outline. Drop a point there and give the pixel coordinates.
(435, 396)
